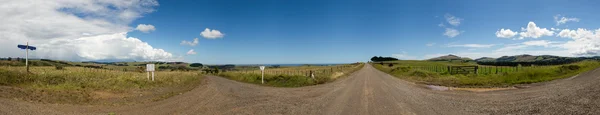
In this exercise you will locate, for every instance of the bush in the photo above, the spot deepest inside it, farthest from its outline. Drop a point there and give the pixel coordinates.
(196, 65)
(59, 67)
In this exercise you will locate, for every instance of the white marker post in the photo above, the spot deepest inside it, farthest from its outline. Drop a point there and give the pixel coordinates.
(262, 70)
(150, 68)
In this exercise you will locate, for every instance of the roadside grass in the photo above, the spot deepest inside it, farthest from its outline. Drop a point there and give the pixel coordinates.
(284, 77)
(504, 79)
(77, 84)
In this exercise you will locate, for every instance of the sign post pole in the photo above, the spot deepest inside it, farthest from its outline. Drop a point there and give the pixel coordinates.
(27, 48)
(27, 57)
(262, 70)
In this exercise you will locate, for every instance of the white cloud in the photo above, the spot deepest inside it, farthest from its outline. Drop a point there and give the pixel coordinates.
(146, 28)
(533, 31)
(502, 33)
(472, 45)
(452, 20)
(76, 29)
(562, 20)
(192, 43)
(554, 29)
(450, 32)
(430, 44)
(441, 25)
(404, 56)
(211, 34)
(583, 42)
(191, 52)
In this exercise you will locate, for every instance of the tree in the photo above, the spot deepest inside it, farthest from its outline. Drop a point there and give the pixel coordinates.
(196, 65)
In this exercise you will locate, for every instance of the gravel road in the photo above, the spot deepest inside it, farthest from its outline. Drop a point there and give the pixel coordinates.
(367, 91)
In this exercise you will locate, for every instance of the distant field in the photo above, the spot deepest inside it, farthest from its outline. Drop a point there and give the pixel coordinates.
(292, 76)
(436, 73)
(80, 85)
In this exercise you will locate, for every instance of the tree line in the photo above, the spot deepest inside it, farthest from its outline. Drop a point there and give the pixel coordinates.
(379, 58)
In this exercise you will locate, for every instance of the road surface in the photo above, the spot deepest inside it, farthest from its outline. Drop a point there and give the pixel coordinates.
(367, 91)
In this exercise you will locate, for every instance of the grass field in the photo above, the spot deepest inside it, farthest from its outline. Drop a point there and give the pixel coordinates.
(425, 72)
(84, 85)
(293, 76)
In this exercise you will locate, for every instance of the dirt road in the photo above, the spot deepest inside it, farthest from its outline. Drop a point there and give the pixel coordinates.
(367, 91)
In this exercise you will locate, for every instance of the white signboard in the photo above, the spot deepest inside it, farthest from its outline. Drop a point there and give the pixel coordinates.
(149, 67)
(262, 68)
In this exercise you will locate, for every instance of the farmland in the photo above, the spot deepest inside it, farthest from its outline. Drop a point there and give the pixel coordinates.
(437, 73)
(78, 85)
(292, 76)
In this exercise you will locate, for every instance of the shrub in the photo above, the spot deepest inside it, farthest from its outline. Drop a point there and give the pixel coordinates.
(59, 67)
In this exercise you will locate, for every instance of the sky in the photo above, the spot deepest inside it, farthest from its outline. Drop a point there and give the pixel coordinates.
(296, 32)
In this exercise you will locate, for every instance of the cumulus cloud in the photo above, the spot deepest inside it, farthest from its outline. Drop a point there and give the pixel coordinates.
(211, 34)
(505, 33)
(192, 43)
(76, 30)
(472, 45)
(191, 52)
(562, 20)
(533, 31)
(450, 32)
(452, 20)
(146, 28)
(583, 42)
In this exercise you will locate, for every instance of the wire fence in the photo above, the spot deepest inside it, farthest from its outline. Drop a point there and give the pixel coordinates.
(292, 71)
(474, 69)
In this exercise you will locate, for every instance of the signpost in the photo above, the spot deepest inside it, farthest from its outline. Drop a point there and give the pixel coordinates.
(150, 68)
(27, 48)
(262, 70)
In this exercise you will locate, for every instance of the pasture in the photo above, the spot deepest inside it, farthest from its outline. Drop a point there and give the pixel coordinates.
(78, 85)
(292, 76)
(437, 73)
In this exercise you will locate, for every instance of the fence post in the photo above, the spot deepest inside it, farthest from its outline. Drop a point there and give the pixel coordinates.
(496, 69)
(449, 70)
(476, 70)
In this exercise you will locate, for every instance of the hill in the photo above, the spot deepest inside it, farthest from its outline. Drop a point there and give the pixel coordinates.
(450, 58)
(526, 59)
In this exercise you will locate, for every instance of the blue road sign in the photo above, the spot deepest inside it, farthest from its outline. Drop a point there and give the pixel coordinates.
(25, 47)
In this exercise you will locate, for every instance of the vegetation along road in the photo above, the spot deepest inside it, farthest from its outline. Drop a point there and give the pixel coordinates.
(366, 91)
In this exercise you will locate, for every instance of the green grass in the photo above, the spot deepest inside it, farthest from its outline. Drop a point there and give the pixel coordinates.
(292, 76)
(82, 81)
(503, 79)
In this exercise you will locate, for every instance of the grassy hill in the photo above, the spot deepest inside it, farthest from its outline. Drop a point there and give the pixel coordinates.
(450, 58)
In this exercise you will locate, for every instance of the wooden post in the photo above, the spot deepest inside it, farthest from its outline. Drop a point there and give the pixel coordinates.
(27, 56)
(496, 69)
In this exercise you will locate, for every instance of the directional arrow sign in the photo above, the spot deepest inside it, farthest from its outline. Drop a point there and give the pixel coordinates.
(26, 47)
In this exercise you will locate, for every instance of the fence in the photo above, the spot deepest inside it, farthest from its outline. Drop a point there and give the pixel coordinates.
(474, 69)
(324, 70)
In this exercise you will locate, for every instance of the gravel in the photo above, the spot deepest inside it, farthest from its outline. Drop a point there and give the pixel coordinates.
(367, 91)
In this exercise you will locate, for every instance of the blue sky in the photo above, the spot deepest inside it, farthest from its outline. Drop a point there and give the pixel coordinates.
(344, 31)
